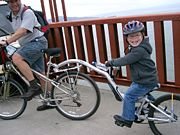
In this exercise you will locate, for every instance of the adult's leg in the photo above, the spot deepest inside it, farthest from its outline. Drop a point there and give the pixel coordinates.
(34, 89)
(23, 66)
(43, 83)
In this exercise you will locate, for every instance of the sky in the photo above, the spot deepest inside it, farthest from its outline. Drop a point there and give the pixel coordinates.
(95, 7)
(84, 8)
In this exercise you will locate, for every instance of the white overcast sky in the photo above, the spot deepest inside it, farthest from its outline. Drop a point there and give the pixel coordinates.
(80, 8)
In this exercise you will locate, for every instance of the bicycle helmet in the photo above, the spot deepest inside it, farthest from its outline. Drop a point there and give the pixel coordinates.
(132, 27)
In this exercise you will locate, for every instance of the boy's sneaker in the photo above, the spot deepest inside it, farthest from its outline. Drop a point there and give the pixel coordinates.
(122, 122)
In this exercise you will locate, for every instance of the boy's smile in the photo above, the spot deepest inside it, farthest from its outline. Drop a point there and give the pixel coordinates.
(135, 39)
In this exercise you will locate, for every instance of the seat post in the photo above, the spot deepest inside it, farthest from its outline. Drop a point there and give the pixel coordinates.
(48, 66)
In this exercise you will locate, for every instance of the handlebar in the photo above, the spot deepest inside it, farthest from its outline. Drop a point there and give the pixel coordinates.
(100, 66)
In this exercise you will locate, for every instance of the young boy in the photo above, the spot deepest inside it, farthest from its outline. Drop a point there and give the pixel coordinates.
(143, 71)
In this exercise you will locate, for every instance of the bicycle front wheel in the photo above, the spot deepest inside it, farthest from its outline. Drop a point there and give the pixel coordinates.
(170, 104)
(77, 96)
(11, 105)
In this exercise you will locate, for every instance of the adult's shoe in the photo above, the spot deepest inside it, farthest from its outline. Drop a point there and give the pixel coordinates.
(32, 91)
(46, 106)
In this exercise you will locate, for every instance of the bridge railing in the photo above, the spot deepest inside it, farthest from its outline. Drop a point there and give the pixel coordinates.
(102, 39)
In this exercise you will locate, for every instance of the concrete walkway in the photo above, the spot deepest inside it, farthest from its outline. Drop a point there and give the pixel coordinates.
(50, 122)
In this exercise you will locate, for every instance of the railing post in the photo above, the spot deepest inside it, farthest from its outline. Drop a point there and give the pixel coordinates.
(160, 51)
(101, 43)
(64, 10)
(176, 39)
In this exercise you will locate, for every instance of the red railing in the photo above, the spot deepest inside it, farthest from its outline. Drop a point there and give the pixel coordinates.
(102, 39)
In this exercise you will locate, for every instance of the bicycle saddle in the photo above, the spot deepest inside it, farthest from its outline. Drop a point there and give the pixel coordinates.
(157, 86)
(52, 51)
(149, 93)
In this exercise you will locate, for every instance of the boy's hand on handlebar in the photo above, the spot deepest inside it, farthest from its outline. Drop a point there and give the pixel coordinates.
(108, 64)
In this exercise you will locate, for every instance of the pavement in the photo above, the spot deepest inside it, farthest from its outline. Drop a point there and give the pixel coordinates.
(50, 122)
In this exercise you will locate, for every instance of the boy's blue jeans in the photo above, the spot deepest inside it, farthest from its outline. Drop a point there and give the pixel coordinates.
(136, 90)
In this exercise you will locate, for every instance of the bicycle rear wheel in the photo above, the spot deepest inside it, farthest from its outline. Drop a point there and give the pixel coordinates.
(77, 96)
(11, 105)
(166, 103)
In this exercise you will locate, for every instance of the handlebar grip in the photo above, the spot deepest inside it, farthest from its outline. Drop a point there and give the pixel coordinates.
(100, 66)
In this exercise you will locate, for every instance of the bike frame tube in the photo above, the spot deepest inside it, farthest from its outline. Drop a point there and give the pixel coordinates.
(45, 78)
(167, 120)
(75, 61)
(55, 84)
(91, 67)
(84, 63)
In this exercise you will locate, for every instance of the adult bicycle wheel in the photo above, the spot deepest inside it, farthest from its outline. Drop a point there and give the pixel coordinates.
(172, 107)
(77, 96)
(11, 105)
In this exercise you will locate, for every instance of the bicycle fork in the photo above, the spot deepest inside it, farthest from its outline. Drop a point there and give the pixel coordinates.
(6, 88)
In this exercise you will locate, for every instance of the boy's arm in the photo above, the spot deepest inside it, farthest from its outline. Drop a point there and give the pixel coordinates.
(132, 57)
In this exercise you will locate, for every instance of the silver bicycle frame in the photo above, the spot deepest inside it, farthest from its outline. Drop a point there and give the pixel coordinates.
(45, 78)
(171, 119)
(57, 67)
(121, 95)
(91, 67)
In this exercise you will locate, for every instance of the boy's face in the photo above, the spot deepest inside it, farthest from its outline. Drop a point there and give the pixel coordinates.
(135, 39)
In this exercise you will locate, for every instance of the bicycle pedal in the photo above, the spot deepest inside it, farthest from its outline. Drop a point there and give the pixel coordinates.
(36, 97)
(119, 124)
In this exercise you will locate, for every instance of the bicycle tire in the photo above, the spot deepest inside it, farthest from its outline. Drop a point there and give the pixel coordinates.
(11, 105)
(165, 128)
(83, 97)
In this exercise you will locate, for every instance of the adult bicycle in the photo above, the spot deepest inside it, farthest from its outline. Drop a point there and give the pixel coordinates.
(74, 94)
